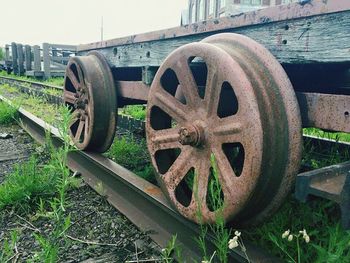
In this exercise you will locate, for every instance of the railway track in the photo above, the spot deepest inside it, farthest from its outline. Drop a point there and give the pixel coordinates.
(140, 201)
(38, 89)
(151, 203)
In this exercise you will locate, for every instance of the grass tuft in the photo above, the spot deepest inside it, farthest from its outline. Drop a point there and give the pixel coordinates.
(135, 111)
(8, 114)
(26, 184)
(133, 155)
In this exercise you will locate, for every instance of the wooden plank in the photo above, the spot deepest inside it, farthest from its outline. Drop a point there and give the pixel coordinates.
(305, 40)
(28, 57)
(46, 59)
(63, 46)
(325, 111)
(37, 58)
(14, 58)
(282, 13)
(20, 59)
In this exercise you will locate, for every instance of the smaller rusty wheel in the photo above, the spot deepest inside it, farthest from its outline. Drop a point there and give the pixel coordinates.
(223, 112)
(89, 92)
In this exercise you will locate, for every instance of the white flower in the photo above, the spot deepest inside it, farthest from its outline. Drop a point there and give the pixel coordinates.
(303, 232)
(232, 243)
(237, 233)
(205, 261)
(307, 238)
(285, 234)
(290, 238)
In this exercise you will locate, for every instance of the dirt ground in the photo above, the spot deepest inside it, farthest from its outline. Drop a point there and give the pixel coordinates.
(98, 232)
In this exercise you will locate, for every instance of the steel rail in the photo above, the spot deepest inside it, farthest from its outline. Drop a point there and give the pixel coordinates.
(31, 83)
(140, 201)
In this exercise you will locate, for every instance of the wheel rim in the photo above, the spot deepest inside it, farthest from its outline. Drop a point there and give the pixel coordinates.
(89, 93)
(185, 128)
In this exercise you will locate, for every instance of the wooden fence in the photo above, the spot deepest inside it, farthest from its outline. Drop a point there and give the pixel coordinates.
(48, 61)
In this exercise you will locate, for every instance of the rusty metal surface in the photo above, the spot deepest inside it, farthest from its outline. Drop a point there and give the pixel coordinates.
(266, 124)
(325, 111)
(89, 91)
(273, 14)
(332, 183)
(136, 90)
(143, 203)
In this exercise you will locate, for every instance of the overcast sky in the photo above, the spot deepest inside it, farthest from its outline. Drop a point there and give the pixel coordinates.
(79, 21)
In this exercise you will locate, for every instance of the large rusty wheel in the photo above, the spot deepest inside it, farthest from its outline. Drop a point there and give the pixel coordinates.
(89, 92)
(226, 97)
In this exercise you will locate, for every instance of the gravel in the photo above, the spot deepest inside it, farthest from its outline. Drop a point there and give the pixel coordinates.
(98, 232)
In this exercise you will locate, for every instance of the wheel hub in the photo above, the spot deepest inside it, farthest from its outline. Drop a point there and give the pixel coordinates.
(192, 134)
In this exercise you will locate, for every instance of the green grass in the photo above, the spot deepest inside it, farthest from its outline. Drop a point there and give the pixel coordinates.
(8, 114)
(36, 105)
(56, 81)
(338, 136)
(329, 242)
(135, 111)
(26, 184)
(133, 155)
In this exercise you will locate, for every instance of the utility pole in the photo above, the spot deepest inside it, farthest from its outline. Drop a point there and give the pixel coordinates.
(101, 28)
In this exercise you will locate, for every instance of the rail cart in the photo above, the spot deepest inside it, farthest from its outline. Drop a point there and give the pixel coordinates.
(237, 90)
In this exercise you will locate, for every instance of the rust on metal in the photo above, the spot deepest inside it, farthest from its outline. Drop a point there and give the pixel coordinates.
(89, 92)
(268, 15)
(325, 111)
(136, 90)
(254, 129)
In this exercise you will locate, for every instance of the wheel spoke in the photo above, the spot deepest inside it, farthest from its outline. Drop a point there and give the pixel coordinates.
(187, 82)
(200, 187)
(171, 106)
(178, 169)
(86, 130)
(229, 182)
(229, 130)
(79, 130)
(75, 117)
(69, 96)
(165, 139)
(73, 78)
(212, 90)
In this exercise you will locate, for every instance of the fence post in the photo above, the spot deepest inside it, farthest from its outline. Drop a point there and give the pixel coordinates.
(14, 58)
(37, 58)
(28, 57)
(20, 59)
(46, 58)
(7, 52)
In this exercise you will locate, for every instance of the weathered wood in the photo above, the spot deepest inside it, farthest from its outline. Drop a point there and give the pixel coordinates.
(7, 52)
(46, 59)
(59, 59)
(136, 90)
(37, 58)
(306, 40)
(28, 57)
(325, 111)
(20, 59)
(294, 34)
(14, 57)
(63, 46)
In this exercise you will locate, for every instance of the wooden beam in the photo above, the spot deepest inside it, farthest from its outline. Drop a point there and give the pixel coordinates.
(325, 111)
(135, 90)
(295, 33)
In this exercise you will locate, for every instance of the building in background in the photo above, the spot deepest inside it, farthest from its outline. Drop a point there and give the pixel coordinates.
(199, 10)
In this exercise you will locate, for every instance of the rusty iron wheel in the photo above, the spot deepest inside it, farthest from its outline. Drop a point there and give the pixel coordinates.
(224, 104)
(89, 92)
